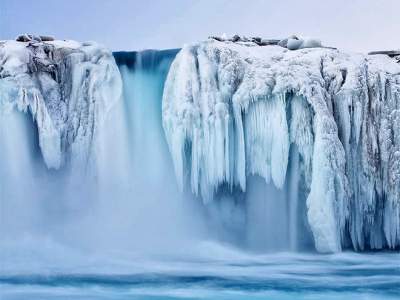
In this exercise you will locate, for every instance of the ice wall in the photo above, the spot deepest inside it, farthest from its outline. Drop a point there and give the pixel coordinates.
(233, 110)
(68, 89)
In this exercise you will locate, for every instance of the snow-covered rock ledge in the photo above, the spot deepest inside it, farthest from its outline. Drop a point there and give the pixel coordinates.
(67, 87)
(232, 110)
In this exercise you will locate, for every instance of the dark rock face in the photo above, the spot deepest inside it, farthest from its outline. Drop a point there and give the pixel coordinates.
(395, 54)
(46, 38)
(391, 53)
(33, 38)
(236, 38)
(23, 38)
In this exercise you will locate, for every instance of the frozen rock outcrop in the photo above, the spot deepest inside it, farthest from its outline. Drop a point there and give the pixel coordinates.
(34, 38)
(292, 42)
(67, 87)
(231, 110)
(395, 54)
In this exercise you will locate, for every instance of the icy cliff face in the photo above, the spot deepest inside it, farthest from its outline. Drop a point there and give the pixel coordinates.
(231, 111)
(68, 88)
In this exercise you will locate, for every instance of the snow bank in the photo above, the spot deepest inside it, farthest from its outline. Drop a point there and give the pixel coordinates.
(232, 110)
(67, 87)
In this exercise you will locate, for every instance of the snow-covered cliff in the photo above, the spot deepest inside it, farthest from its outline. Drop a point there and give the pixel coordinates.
(67, 87)
(231, 110)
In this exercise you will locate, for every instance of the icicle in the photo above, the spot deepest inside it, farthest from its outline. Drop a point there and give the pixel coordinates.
(241, 107)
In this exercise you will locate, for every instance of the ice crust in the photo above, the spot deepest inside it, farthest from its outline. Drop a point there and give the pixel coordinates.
(68, 88)
(231, 110)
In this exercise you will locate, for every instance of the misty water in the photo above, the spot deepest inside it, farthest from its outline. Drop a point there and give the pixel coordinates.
(208, 271)
(121, 229)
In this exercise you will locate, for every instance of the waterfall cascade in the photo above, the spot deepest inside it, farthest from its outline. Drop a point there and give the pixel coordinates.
(83, 158)
(272, 149)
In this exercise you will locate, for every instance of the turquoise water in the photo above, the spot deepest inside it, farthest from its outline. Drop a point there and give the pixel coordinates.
(277, 276)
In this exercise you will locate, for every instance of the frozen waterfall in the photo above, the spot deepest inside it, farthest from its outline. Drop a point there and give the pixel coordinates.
(84, 164)
(272, 149)
(68, 89)
(233, 111)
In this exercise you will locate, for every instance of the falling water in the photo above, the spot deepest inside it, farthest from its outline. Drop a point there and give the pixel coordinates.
(103, 218)
(125, 200)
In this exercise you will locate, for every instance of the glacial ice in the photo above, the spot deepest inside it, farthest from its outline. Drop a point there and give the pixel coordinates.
(231, 111)
(67, 87)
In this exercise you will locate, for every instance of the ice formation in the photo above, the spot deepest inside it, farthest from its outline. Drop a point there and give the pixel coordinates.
(232, 110)
(68, 88)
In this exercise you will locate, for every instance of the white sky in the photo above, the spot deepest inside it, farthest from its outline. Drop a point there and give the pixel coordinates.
(133, 25)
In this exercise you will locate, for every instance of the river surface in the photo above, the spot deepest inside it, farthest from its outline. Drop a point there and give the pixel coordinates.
(217, 273)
